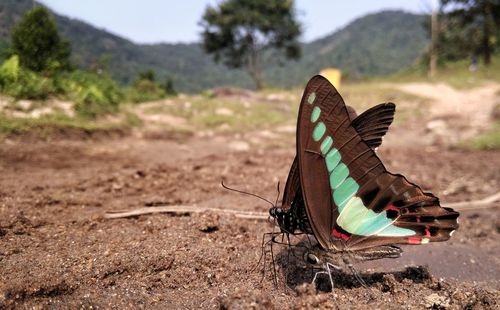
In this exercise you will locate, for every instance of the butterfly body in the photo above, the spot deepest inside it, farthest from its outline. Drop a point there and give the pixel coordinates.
(292, 220)
(316, 255)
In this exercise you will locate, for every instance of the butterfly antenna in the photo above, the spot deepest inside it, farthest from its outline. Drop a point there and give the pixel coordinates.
(246, 193)
(278, 195)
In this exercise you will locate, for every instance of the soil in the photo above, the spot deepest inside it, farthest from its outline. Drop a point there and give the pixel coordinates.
(58, 251)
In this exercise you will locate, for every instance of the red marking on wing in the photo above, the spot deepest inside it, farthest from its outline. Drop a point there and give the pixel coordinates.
(340, 235)
(427, 231)
(414, 240)
(391, 207)
(418, 219)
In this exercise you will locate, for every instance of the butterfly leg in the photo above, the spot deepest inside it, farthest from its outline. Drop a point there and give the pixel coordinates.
(288, 260)
(275, 273)
(328, 265)
(316, 275)
(357, 276)
(263, 249)
(328, 272)
(263, 254)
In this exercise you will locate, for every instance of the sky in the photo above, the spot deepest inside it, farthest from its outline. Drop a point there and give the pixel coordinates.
(154, 21)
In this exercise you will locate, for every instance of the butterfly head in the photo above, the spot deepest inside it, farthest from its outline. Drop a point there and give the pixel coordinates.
(311, 258)
(315, 256)
(284, 218)
(276, 212)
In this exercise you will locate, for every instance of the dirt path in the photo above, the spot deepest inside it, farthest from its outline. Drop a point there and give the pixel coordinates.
(472, 106)
(57, 251)
(477, 101)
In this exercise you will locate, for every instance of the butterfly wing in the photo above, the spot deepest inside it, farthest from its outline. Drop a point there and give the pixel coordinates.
(374, 123)
(292, 186)
(351, 200)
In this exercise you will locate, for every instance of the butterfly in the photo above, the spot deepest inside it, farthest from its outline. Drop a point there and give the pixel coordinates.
(339, 191)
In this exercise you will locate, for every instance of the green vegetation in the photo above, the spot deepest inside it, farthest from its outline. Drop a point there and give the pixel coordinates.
(38, 69)
(93, 95)
(145, 88)
(375, 44)
(455, 73)
(37, 43)
(471, 28)
(489, 140)
(19, 82)
(51, 123)
(226, 113)
(364, 95)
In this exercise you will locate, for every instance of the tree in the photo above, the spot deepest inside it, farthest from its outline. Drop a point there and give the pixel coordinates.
(37, 43)
(147, 75)
(238, 32)
(479, 22)
(168, 87)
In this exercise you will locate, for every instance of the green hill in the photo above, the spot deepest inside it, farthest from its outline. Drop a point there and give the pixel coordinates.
(376, 44)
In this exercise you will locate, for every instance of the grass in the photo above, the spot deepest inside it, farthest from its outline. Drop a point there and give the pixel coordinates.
(273, 107)
(48, 124)
(364, 95)
(456, 74)
(132, 120)
(489, 140)
(213, 113)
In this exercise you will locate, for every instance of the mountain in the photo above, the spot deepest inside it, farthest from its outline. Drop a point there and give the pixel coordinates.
(375, 44)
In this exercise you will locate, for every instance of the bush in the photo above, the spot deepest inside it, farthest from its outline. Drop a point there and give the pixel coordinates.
(168, 87)
(9, 70)
(145, 90)
(93, 94)
(22, 83)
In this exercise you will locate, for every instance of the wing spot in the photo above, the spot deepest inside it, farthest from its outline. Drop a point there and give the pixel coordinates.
(318, 131)
(315, 114)
(311, 98)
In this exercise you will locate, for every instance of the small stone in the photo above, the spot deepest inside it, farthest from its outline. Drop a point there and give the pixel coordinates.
(240, 146)
(207, 222)
(435, 301)
(25, 104)
(224, 112)
(306, 289)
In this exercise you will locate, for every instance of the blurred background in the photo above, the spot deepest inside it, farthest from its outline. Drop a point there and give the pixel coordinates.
(81, 61)
(113, 105)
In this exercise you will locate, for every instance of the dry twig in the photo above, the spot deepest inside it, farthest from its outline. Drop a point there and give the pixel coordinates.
(484, 203)
(177, 209)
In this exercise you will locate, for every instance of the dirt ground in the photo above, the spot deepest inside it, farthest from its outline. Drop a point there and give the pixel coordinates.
(58, 251)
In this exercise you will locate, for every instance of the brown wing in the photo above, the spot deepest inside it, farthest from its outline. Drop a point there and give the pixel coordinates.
(374, 123)
(292, 186)
(351, 199)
